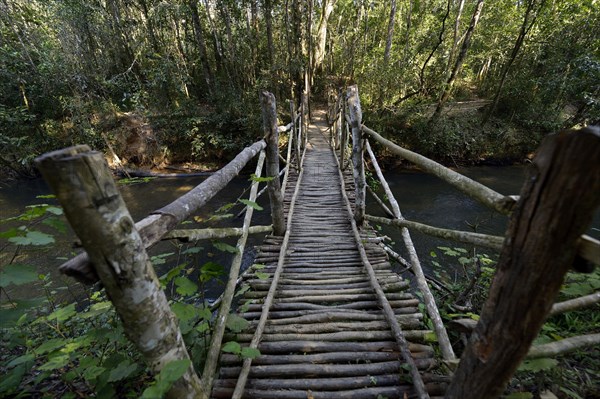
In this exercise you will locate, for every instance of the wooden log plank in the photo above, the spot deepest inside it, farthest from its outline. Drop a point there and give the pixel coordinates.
(94, 208)
(154, 226)
(556, 205)
(419, 336)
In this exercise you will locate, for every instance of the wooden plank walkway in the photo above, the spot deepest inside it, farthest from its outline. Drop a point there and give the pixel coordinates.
(326, 336)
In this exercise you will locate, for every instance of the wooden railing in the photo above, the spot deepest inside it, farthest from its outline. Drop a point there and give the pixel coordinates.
(533, 261)
(115, 245)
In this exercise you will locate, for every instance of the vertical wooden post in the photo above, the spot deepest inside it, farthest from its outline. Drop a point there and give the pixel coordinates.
(93, 206)
(556, 206)
(294, 133)
(269, 113)
(355, 114)
(344, 138)
(305, 119)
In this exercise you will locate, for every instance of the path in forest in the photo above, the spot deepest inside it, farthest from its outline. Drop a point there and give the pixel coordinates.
(326, 336)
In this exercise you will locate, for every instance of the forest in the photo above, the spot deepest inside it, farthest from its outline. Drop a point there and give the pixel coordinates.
(178, 81)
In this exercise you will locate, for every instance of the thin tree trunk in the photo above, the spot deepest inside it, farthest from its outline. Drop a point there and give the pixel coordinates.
(268, 10)
(557, 204)
(456, 38)
(390, 33)
(528, 22)
(459, 61)
(201, 44)
(326, 11)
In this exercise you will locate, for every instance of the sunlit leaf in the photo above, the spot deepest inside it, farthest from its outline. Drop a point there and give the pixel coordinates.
(223, 247)
(63, 313)
(33, 238)
(185, 286)
(251, 204)
(236, 323)
(250, 353)
(232, 347)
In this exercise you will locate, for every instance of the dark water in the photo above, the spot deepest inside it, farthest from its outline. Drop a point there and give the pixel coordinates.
(427, 199)
(141, 199)
(422, 198)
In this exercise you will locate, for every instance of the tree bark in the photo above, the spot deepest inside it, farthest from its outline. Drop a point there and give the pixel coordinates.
(390, 32)
(455, 39)
(96, 211)
(355, 113)
(459, 61)
(201, 44)
(556, 206)
(269, 113)
(326, 11)
(528, 22)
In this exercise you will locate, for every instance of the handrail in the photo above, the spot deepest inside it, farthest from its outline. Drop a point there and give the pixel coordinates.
(159, 222)
(214, 350)
(483, 194)
(432, 309)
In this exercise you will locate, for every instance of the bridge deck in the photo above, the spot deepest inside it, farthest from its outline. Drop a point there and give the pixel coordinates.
(326, 336)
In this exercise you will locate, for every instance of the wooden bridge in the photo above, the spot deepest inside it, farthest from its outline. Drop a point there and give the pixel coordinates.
(328, 315)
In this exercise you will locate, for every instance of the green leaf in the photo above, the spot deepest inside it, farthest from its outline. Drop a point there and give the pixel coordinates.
(536, 365)
(236, 323)
(10, 233)
(160, 259)
(223, 247)
(55, 362)
(185, 286)
(122, 371)
(250, 353)
(92, 372)
(97, 309)
(433, 254)
(45, 196)
(183, 311)
(17, 274)
(56, 223)
(192, 250)
(257, 179)
(232, 347)
(251, 204)
(50, 345)
(33, 238)
(210, 270)
(258, 266)
(63, 314)
(28, 357)
(11, 380)
(54, 210)
(174, 272)
(165, 379)
(262, 276)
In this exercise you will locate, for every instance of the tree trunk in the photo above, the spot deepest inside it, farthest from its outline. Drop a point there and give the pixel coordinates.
(459, 61)
(455, 39)
(269, 22)
(525, 28)
(201, 44)
(556, 206)
(390, 33)
(96, 211)
(326, 11)
(269, 113)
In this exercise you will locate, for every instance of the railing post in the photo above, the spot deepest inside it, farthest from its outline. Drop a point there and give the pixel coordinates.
(556, 206)
(269, 113)
(355, 114)
(93, 206)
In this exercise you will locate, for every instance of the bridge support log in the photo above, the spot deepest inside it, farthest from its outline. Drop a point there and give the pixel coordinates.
(355, 114)
(556, 206)
(269, 113)
(93, 206)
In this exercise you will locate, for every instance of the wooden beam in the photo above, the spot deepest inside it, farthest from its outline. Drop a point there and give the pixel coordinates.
(187, 235)
(97, 213)
(483, 194)
(557, 204)
(159, 222)
(355, 114)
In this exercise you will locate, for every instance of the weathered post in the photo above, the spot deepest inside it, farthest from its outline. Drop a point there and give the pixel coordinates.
(355, 114)
(294, 133)
(93, 206)
(269, 113)
(556, 206)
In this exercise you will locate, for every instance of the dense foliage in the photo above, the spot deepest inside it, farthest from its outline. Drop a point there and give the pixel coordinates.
(79, 71)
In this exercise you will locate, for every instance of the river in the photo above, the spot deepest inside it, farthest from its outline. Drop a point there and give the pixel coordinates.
(422, 198)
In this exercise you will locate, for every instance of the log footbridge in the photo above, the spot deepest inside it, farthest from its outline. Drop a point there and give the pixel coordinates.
(328, 316)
